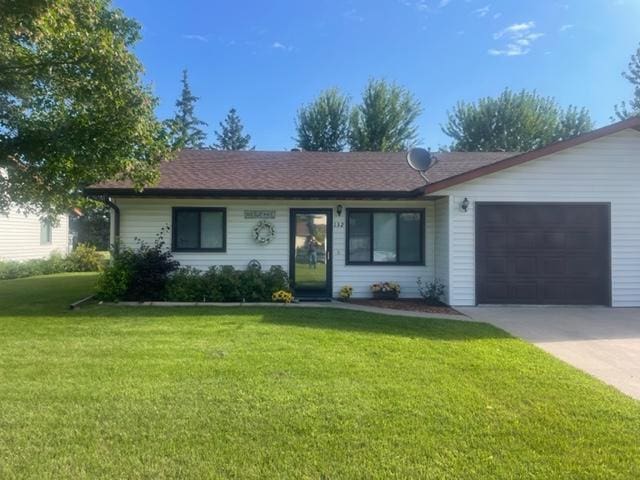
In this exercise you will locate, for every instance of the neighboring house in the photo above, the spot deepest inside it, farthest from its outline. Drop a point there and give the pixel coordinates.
(559, 225)
(25, 237)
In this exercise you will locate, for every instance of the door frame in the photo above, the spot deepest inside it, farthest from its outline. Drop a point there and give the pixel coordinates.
(328, 291)
(609, 266)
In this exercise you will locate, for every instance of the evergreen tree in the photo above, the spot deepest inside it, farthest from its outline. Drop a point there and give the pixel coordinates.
(633, 76)
(385, 121)
(324, 124)
(231, 135)
(513, 122)
(184, 127)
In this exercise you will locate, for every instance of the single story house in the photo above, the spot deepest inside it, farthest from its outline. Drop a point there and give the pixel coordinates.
(27, 237)
(559, 225)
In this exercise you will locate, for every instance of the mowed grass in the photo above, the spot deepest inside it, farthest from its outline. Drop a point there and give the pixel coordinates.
(117, 392)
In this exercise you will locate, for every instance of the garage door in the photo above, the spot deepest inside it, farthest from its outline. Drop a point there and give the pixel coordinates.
(556, 254)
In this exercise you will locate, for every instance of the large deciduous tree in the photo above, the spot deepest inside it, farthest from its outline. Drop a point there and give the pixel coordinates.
(385, 121)
(511, 122)
(184, 127)
(231, 135)
(323, 125)
(73, 108)
(626, 110)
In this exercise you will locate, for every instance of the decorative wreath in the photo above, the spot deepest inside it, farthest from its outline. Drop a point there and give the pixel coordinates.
(263, 232)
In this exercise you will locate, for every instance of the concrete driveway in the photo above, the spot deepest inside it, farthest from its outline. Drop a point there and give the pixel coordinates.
(604, 342)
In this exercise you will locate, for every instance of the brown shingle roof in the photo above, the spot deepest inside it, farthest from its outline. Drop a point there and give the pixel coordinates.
(301, 173)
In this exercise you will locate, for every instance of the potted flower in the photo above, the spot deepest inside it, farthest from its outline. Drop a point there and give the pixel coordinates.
(385, 290)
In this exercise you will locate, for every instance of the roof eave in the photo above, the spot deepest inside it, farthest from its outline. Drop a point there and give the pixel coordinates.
(630, 123)
(281, 194)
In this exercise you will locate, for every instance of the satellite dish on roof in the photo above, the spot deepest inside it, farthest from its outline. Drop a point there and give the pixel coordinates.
(421, 160)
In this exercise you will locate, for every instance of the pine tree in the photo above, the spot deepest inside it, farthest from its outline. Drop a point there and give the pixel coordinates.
(230, 136)
(184, 127)
(625, 110)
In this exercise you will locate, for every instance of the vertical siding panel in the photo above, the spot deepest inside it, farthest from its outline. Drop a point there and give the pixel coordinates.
(441, 271)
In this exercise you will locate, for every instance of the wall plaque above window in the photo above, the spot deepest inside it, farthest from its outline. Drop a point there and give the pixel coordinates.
(259, 214)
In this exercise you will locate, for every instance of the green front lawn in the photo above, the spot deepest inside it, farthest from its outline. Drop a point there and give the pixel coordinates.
(116, 392)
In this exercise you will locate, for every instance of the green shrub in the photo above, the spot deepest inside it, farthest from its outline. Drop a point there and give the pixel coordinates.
(225, 284)
(187, 284)
(138, 275)
(433, 292)
(82, 259)
(114, 280)
(85, 258)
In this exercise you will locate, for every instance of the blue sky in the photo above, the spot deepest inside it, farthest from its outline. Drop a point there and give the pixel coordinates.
(266, 58)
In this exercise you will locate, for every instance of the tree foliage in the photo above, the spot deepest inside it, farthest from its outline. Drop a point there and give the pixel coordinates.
(513, 122)
(385, 121)
(184, 127)
(231, 134)
(73, 109)
(323, 125)
(631, 109)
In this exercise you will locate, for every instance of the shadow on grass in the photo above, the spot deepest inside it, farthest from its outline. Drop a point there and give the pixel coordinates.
(376, 323)
(42, 298)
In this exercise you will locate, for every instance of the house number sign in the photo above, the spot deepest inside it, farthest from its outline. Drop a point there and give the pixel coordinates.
(259, 214)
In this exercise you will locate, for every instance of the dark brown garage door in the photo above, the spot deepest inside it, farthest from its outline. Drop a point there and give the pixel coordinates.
(555, 254)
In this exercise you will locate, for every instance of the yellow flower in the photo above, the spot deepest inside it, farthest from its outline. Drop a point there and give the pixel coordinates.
(282, 296)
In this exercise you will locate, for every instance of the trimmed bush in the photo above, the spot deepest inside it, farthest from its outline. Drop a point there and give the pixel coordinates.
(187, 284)
(83, 259)
(225, 284)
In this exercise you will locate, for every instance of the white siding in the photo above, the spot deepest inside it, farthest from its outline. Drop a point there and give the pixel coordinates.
(20, 237)
(143, 218)
(442, 242)
(604, 170)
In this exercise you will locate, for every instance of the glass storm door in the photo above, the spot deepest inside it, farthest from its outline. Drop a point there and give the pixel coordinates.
(310, 253)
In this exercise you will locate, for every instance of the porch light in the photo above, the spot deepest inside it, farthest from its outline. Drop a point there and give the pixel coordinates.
(339, 210)
(465, 204)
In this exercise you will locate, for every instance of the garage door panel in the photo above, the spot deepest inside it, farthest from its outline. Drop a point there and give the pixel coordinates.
(522, 240)
(542, 253)
(525, 292)
(496, 265)
(554, 240)
(553, 266)
(525, 265)
(497, 216)
(583, 240)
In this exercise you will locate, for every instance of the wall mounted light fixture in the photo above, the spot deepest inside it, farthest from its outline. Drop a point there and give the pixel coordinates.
(464, 206)
(339, 210)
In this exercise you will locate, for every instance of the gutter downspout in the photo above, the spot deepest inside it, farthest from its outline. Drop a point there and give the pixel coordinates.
(116, 219)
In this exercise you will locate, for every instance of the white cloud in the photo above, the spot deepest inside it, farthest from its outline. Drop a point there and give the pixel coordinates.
(425, 5)
(497, 15)
(514, 29)
(566, 27)
(482, 12)
(199, 38)
(281, 46)
(519, 38)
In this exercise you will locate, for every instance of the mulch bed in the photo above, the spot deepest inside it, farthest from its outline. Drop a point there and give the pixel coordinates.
(413, 305)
